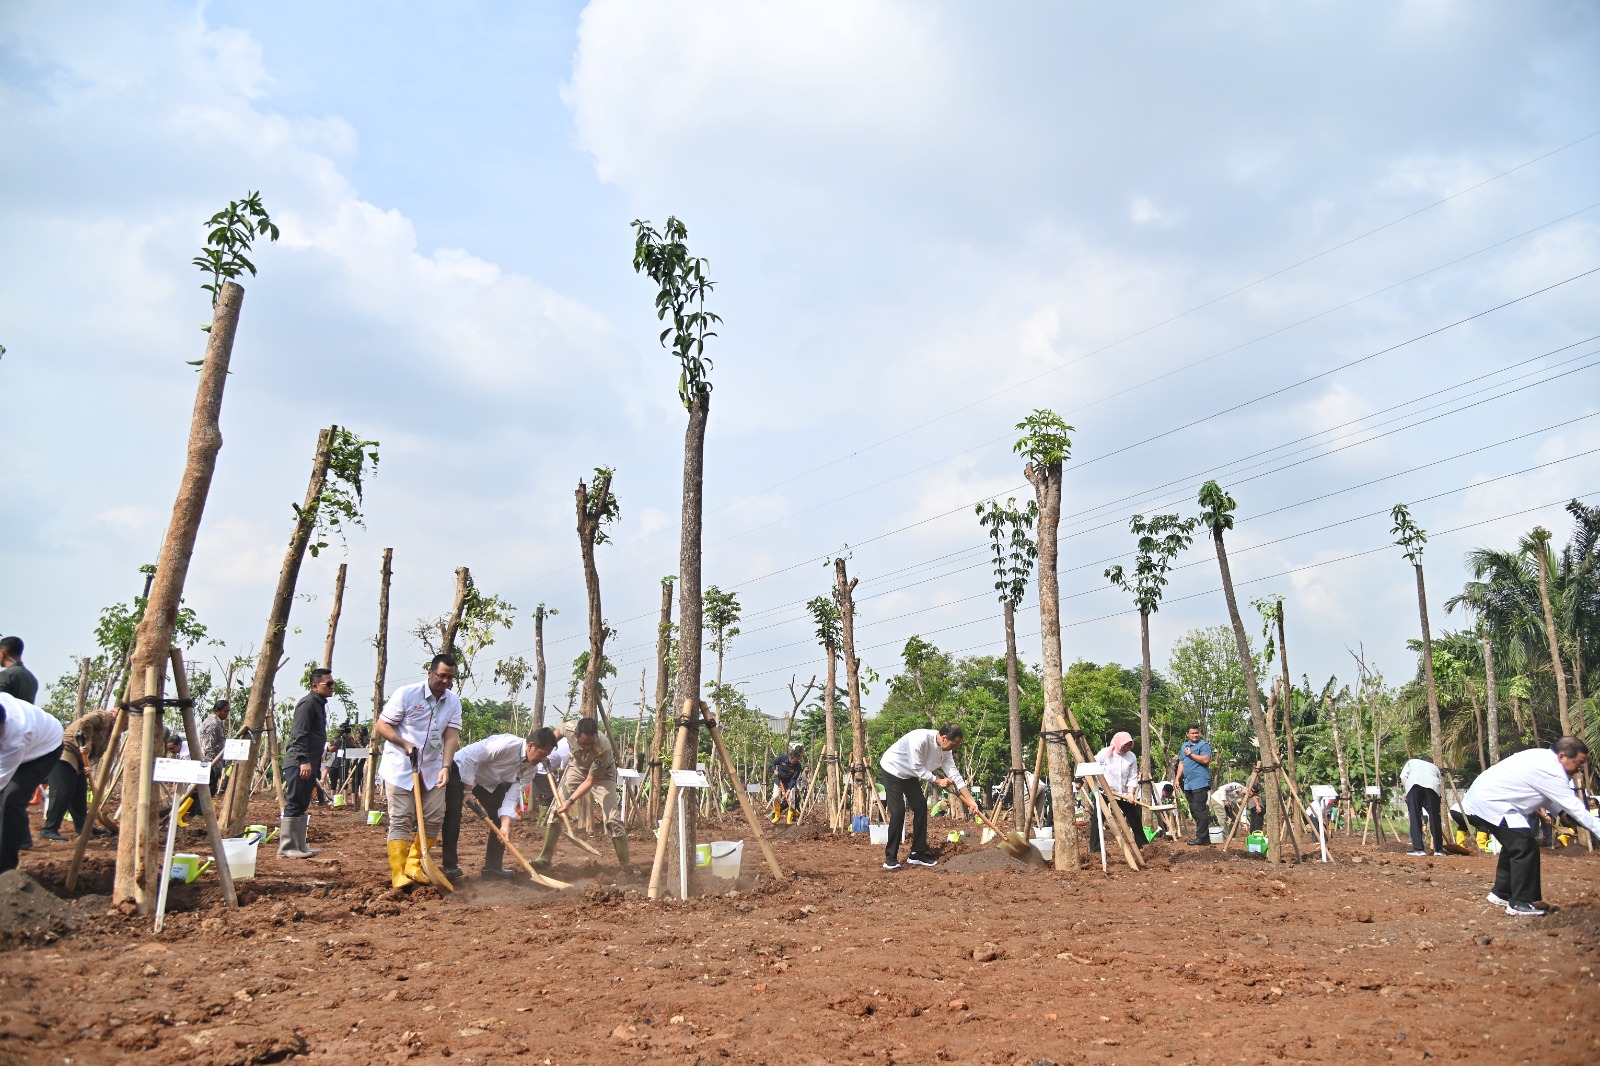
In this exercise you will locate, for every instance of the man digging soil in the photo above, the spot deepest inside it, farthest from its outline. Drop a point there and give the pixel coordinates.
(592, 769)
(424, 719)
(921, 755)
(494, 769)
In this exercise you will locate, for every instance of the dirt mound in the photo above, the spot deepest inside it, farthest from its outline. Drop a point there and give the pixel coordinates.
(29, 911)
(981, 861)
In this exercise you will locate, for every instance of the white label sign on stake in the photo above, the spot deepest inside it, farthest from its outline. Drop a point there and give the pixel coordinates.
(236, 750)
(629, 775)
(182, 771)
(753, 788)
(355, 754)
(690, 779)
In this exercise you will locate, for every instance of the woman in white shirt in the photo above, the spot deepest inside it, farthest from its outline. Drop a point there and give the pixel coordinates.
(1122, 778)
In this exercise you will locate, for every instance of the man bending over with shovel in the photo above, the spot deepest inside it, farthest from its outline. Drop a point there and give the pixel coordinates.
(592, 769)
(425, 720)
(921, 755)
(495, 770)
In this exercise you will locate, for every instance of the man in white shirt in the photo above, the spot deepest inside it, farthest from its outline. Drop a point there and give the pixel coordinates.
(1420, 781)
(421, 723)
(1500, 801)
(1122, 778)
(921, 755)
(30, 747)
(495, 769)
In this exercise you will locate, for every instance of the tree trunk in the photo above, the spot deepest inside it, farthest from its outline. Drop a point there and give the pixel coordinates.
(1550, 635)
(82, 702)
(1288, 699)
(369, 780)
(1019, 780)
(333, 617)
(860, 777)
(590, 512)
(152, 640)
(1047, 488)
(268, 661)
(538, 665)
(691, 632)
(1435, 730)
(1492, 714)
(1146, 780)
(1271, 783)
(1477, 721)
(830, 744)
(1338, 747)
(457, 609)
(658, 733)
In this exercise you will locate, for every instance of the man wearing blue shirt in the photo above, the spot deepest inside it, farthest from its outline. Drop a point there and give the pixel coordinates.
(1194, 778)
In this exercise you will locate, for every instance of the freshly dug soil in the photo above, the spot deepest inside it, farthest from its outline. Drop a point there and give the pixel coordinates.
(29, 912)
(1203, 958)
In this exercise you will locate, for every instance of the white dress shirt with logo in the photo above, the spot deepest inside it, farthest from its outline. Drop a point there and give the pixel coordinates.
(421, 718)
(494, 761)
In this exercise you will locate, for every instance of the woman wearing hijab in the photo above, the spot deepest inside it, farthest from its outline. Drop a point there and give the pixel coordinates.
(1122, 778)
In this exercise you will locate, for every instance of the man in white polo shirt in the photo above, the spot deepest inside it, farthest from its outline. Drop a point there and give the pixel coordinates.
(494, 769)
(424, 719)
(921, 755)
(1500, 801)
(30, 747)
(1420, 781)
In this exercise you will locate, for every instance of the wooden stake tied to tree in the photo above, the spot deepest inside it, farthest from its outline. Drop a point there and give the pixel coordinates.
(658, 728)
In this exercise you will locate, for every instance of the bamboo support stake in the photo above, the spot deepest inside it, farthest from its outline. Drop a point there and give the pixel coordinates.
(1130, 850)
(658, 867)
(145, 854)
(744, 800)
(102, 782)
(203, 792)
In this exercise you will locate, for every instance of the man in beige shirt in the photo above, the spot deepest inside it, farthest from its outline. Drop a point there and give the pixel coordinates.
(69, 778)
(592, 770)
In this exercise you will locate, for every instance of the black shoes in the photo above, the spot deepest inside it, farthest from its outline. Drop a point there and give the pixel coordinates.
(51, 834)
(1198, 843)
(452, 872)
(922, 859)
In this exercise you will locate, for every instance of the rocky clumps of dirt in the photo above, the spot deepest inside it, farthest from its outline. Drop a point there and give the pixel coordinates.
(30, 912)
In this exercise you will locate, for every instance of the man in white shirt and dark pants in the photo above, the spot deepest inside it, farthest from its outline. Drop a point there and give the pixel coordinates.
(1421, 781)
(921, 755)
(422, 719)
(495, 769)
(1500, 801)
(30, 747)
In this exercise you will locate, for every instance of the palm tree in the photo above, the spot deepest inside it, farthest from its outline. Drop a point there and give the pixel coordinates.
(1217, 516)
(1160, 541)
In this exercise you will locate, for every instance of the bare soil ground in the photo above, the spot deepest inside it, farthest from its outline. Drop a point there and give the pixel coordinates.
(1204, 958)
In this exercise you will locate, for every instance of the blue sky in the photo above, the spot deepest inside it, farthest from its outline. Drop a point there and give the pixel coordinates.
(924, 219)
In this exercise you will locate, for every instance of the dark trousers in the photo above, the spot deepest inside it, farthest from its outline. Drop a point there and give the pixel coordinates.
(900, 793)
(69, 794)
(1258, 818)
(1131, 812)
(1198, 810)
(14, 805)
(1516, 878)
(1424, 801)
(298, 791)
(455, 797)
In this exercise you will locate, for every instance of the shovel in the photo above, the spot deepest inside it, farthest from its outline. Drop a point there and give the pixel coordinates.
(539, 878)
(1013, 844)
(432, 872)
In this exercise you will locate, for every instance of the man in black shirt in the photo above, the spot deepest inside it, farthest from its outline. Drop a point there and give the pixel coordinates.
(302, 764)
(15, 678)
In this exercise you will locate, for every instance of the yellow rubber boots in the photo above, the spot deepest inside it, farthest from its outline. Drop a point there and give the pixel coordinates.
(397, 863)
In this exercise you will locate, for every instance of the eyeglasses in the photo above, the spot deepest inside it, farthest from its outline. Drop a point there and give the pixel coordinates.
(448, 679)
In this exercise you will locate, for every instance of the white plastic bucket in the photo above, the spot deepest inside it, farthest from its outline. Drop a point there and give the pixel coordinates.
(1045, 846)
(1217, 834)
(878, 834)
(726, 856)
(241, 855)
(1045, 833)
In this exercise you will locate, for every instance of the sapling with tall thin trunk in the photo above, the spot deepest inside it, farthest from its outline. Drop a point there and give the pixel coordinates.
(844, 587)
(230, 237)
(824, 612)
(1217, 516)
(1014, 554)
(681, 290)
(1161, 539)
(1412, 538)
(1046, 445)
(1537, 544)
(598, 509)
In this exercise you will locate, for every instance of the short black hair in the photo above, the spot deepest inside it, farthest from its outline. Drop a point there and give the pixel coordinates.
(318, 674)
(1571, 747)
(951, 731)
(11, 646)
(587, 727)
(220, 705)
(1194, 726)
(543, 737)
(448, 660)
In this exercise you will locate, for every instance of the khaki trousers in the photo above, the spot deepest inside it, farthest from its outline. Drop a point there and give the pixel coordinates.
(403, 811)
